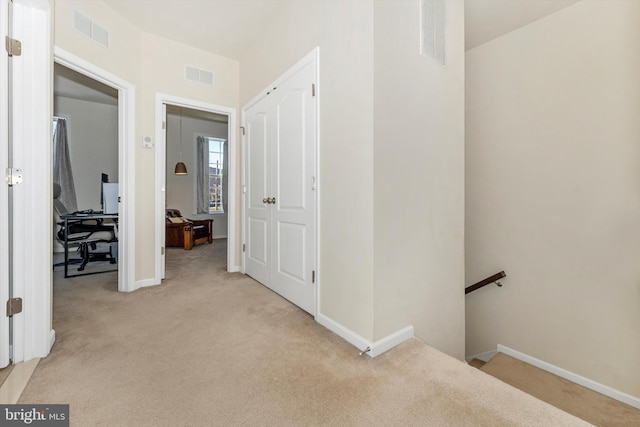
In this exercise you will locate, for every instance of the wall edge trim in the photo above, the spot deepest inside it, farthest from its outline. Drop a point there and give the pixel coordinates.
(573, 377)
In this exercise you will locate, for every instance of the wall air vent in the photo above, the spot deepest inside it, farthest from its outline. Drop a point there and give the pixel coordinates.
(432, 29)
(198, 75)
(90, 29)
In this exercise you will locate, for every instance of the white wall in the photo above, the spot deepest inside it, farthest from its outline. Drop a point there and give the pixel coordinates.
(154, 65)
(92, 130)
(412, 218)
(180, 190)
(344, 32)
(553, 191)
(419, 178)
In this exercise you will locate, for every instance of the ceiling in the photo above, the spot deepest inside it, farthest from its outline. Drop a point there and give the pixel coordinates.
(486, 20)
(225, 27)
(229, 27)
(71, 84)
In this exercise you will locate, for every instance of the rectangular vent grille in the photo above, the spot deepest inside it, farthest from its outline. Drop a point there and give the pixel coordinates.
(90, 29)
(432, 26)
(198, 75)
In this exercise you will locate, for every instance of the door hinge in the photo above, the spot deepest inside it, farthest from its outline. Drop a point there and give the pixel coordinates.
(14, 306)
(313, 276)
(14, 47)
(13, 177)
(313, 89)
(244, 248)
(164, 125)
(242, 128)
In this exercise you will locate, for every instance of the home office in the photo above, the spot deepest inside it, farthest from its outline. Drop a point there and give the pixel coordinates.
(85, 164)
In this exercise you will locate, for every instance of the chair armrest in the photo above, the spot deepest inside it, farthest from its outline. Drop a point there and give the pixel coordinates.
(176, 225)
(204, 222)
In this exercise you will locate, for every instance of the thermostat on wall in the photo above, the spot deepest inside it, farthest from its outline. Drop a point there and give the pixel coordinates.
(147, 142)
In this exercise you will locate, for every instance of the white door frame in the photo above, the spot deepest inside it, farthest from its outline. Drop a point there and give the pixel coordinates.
(126, 161)
(160, 167)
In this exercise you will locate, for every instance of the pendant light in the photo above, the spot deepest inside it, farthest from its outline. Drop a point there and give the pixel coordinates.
(181, 168)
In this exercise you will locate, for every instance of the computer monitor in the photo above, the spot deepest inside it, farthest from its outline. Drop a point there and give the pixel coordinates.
(110, 197)
(104, 178)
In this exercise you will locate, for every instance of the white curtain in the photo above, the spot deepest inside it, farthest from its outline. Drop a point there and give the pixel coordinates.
(62, 173)
(225, 175)
(202, 175)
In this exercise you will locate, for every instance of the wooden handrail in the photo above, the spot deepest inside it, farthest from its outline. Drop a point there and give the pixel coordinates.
(486, 282)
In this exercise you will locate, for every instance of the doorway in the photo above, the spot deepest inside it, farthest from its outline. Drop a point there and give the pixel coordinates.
(85, 156)
(212, 121)
(125, 160)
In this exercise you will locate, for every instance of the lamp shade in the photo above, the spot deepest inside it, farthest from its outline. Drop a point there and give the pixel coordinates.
(181, 169)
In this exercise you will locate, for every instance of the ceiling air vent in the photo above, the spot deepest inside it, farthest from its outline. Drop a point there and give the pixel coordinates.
(90, 29)
(432, 26)
(198, 75)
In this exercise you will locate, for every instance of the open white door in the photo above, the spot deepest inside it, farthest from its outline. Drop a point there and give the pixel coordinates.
(281, 180)
(4, 189)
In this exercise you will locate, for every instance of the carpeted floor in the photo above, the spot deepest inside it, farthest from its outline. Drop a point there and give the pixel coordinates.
(210, 348)
(4, 373)
(593, 407)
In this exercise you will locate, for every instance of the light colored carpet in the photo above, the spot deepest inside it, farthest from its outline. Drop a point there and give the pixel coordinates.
(4, 373)
(210, 348)
(593, 407)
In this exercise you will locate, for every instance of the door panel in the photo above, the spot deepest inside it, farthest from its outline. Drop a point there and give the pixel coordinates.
(258, 212)
(291, 254)
(258, 230)
(280, 161)
(290, 151)
(293, 174)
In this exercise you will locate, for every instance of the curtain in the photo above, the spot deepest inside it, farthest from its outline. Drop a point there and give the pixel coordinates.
(62, 173)
(225, 176)
(202, 175)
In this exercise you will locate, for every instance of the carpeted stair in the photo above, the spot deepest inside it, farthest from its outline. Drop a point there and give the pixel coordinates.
(589, 405)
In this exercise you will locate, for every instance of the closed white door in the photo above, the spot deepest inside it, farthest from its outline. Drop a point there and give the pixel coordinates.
(281, 184)
(258, 218)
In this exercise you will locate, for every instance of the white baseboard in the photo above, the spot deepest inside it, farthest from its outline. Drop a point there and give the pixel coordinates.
(52, 339)
(144, 283)
(578, 379)
(362, 344)
(485, 356)
(390, 341)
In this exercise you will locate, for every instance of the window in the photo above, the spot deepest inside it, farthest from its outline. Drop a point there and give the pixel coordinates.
(216, 164)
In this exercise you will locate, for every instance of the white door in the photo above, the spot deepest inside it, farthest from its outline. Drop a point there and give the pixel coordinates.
(4, 190)
(258, 208)
(281, 181)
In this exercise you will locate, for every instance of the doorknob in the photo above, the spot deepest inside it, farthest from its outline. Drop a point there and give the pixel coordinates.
(265, 200)
(273, 200)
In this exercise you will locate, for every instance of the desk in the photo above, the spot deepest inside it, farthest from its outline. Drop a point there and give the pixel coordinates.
(83, 217)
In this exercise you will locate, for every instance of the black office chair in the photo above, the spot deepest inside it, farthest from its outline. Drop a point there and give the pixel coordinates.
(91, 236)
